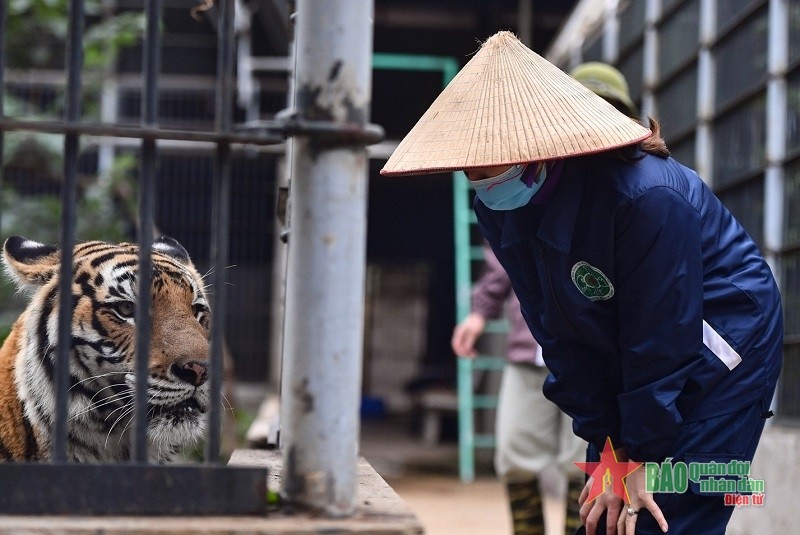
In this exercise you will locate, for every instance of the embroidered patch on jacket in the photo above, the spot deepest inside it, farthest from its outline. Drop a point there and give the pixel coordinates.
(592, 282)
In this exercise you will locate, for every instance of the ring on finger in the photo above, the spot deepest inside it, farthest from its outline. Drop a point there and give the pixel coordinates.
(631, 511)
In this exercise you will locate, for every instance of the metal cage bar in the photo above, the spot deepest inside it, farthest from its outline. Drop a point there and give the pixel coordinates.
(220, 222)
(147, 174)
(3, 15)
(72, 113)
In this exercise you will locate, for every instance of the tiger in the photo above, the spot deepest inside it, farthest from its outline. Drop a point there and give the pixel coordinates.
(102, 357)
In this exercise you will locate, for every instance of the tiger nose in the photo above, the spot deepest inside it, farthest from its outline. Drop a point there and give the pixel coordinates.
(193, 372)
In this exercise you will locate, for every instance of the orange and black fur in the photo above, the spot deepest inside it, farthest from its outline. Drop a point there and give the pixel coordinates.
(104, 289)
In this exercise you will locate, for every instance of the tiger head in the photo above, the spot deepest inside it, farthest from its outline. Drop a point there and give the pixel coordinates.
(102, 359)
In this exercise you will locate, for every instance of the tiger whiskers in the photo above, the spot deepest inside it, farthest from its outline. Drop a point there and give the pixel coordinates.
(224, 402)
(129, 408)
(127, 389)
(123, 407)
(96, 377)
(116, 398)
(113, 398)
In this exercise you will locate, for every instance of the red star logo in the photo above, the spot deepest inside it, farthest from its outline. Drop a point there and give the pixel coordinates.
(607, 472)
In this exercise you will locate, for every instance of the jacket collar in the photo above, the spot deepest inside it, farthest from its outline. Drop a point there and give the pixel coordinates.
(559, 214)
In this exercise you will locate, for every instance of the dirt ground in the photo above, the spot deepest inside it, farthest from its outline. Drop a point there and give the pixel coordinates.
(445, 506)
(427, 479)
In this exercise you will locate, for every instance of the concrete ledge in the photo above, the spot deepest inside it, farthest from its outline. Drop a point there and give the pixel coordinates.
(379, 508)
(380, 511)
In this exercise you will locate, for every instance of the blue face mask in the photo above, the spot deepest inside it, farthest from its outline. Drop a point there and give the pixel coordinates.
(507, 191)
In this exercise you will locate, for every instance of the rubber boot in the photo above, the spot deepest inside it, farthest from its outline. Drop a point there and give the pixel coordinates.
(573, 519)
(527, 511)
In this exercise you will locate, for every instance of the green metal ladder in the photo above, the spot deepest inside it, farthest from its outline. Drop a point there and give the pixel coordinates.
(465, 253)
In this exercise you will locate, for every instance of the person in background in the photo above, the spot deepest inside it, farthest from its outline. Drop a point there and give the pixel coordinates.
(606, 81)
(659, 319)
(531, 432)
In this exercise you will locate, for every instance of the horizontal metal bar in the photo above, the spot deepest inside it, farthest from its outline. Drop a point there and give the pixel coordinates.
(488, 362)
(410, 62)
(485, 441)
(259, 133)
(496, 326)
(127, 81)
(331, 132)
(270, 64)
(139, 132)
(484, 402)
(131, 489)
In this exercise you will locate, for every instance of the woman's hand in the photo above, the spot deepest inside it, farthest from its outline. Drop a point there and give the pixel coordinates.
(640, 500)
(618, 521)
(592, 510)
(466, 334)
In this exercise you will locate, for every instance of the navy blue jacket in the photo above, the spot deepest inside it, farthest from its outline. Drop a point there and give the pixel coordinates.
(651, 303)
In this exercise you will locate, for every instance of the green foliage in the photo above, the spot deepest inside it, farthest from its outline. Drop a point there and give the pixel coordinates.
(104, 40)
(37, 30)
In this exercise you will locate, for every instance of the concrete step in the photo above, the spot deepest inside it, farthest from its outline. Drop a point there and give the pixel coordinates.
(379, 511)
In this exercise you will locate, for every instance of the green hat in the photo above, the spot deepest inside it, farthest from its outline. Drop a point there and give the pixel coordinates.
(607, 82)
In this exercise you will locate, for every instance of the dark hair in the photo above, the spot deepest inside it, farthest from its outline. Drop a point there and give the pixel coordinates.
(654, 145)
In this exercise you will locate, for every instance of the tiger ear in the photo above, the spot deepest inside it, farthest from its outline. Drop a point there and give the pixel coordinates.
(28, 262)
(170, 247)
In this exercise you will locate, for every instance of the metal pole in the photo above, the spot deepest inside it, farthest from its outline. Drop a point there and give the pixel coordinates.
(705, 92)
(220, 223)
(325, 281)
(777, 104)
(147, 184)
(650, 58)
(611, 32)
(72, 114)
(2, 96)
(525, 22)
(775, 173)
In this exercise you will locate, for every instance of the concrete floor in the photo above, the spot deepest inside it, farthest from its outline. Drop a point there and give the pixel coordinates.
(427, 479)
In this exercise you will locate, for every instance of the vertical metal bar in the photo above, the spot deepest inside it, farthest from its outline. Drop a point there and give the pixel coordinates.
(151, 67)
(464, 378)
(650, 78)
(704, 150)
(611, 32)
(280, 250)
(326, 266)
(3, 11)
(777, 104)
(72, 111)
(525, 22)
(220, 222)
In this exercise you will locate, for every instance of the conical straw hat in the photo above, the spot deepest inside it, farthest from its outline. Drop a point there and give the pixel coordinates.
(509, 105)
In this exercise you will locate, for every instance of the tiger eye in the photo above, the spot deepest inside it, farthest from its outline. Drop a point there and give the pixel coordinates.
(125, 308)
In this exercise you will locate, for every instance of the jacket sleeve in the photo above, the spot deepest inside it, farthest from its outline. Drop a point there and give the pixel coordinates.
(490, 292)
(591, 403)
(659, 292)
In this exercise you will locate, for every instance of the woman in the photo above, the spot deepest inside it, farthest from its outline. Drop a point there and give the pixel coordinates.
(659, 320)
